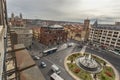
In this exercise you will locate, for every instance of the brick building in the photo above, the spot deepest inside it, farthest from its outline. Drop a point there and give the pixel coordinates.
(50, 35)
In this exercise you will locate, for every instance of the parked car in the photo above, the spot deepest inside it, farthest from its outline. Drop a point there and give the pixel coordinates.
(43, 64)
(36, 57)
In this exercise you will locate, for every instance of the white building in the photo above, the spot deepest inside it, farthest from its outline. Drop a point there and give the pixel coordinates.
(106, 35)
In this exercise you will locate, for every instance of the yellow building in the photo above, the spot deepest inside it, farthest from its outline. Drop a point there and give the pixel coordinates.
(78, 32)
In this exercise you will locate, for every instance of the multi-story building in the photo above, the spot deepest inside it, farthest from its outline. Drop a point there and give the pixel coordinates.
(78, 32)
(22, 35)
(74, 32)
(36, 33)
(106, 35)
(50, 35)
(15, 61)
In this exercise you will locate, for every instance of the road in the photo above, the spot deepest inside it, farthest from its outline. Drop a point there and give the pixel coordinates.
(110, 57)
(59, 56)
(58, 59)
(55, 58)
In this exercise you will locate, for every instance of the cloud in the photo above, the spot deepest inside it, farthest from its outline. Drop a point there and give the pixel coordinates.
(72, 10)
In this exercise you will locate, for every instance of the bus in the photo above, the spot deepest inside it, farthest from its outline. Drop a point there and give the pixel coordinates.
(49, 51)
(55, 76)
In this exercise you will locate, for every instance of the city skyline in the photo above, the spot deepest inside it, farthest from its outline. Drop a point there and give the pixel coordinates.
(67, 10)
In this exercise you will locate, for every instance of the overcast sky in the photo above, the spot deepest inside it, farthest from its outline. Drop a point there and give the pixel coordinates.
(71, 10)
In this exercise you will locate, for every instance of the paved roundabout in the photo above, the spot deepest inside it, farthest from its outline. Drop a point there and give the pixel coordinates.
(89, 67)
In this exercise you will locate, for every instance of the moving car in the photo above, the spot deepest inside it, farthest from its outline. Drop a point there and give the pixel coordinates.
(55, 69)
(70, 44)
(43, 64)
(36, 57)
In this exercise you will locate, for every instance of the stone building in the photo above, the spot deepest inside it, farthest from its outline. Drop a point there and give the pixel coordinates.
(50, 35)
(22, 35)
(17, 20)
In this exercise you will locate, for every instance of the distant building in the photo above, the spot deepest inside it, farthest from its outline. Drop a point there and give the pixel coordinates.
(78, 32)
(22, 35)
(106, 35)
(117, 23)
(17, 21)
(50, 35)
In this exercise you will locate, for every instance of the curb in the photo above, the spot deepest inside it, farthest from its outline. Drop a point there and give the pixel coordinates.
(70, 73)
(117, 77)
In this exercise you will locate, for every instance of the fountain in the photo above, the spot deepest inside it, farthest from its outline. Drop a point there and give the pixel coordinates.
(89, 64)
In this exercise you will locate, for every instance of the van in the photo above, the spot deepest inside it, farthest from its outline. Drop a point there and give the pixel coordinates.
(55, 69)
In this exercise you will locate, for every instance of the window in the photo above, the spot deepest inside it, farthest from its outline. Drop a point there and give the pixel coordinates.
(114, 35)
(116, 32)
(112, 42)
(110, 31)
(107, 41)
(109, 34)
(114, 39)
(108, 38)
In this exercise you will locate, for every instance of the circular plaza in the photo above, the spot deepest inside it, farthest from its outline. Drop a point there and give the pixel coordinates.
(89, 67)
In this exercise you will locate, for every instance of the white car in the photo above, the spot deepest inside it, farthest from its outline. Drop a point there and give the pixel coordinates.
(36, 57)
(70, 44)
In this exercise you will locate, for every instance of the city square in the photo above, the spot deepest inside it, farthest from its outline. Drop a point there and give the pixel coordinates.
(59, 40)
(59, 58)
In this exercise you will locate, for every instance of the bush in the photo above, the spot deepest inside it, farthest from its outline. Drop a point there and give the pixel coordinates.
(77, 70)
(108, 74)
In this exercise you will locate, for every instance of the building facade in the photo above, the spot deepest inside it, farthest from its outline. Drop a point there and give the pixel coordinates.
(17, 20)
(107, 36)
(50, 35)
(22, 35)
(78, 32)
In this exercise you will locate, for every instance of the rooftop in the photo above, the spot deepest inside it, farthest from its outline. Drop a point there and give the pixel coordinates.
(106, 26)
(109, 27)
(26, 65)
(56, 26)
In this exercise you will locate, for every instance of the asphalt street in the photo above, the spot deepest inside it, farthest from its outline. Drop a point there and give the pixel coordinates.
(109, 56)
(59, 56)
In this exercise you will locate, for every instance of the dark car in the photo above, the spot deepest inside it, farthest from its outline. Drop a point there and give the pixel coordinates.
(43, 64)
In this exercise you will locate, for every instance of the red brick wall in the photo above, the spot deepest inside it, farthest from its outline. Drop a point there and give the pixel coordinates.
(50, 37)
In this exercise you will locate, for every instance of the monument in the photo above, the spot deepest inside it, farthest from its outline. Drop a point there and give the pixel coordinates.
(89, 64)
